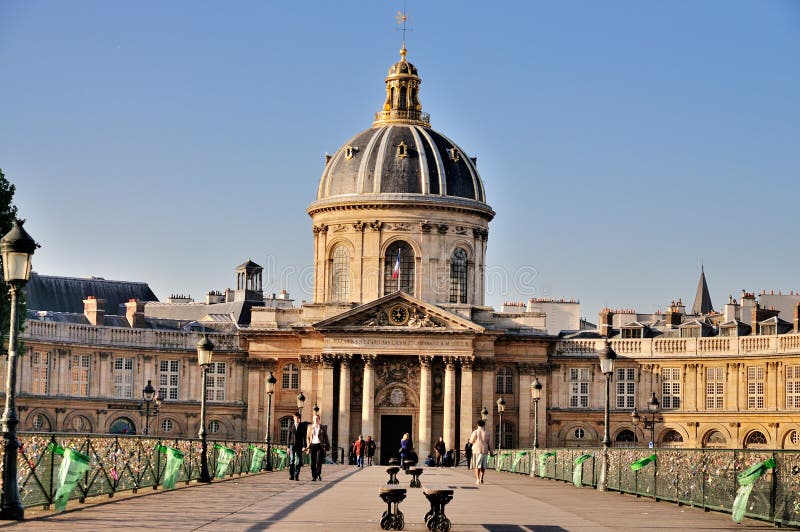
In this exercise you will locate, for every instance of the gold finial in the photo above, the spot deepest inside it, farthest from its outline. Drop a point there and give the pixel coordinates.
(403, 52)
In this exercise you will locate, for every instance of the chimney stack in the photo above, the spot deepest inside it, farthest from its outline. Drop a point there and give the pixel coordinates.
(606, 322)
(134, 312)
(797, 318)
(95, 310)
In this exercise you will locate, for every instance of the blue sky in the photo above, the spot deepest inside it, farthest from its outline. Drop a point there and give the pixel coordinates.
(621, 143)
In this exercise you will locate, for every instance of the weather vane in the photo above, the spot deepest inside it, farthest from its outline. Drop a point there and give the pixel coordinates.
(402, 18)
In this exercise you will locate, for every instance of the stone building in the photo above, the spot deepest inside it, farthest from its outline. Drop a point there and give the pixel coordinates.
(397, 337)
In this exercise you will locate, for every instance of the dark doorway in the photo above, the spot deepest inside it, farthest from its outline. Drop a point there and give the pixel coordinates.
(392, 430)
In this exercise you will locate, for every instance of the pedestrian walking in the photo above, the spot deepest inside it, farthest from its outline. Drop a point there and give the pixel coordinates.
(439, 448)
(406, 447)
(479, 439)
(359, 449)
(468, 453)
(371, 447)
(318, 444)
(295, 444)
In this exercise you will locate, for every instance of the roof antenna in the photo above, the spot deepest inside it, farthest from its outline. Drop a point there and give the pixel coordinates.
(402, 18)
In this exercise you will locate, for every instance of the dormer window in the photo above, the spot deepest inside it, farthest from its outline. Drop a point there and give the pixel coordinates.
(350, 152)
(402, 150)
(727, 331)
(453, 154)
(769, 329)
(690, 332)
(632, 332)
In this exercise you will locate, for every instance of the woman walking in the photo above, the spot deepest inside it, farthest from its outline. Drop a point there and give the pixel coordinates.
(406, 447)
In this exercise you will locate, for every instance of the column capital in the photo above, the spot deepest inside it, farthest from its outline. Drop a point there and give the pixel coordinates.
(425, 361)
(328, 360)
(309, 361)
(345, 359)
(369, 360)
(450, 363)
(467, 363)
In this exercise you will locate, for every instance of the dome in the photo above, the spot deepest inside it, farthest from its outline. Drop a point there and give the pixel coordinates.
(401, 154)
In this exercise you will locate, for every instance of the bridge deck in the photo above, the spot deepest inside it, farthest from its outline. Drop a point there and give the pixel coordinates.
(347, 499)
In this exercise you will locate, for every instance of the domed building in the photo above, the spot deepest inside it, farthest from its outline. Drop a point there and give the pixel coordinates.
(400, 207)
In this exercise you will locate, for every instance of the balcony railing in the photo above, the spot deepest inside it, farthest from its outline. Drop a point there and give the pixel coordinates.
(403, 114)
(122, 336)
(714, 345)
(703, 478)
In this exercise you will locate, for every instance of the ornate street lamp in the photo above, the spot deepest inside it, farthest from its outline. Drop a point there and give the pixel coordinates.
(16, 248)
(606, 356)
(501, 407)
(301, 400)
(484, 413)
(205, 351)
(316, 409)
(536, 394)
(148, 393)
(653, 406)
(271, 380)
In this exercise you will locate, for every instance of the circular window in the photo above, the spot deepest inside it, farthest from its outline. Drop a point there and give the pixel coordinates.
(579, 433)
(38, 421)
(794, 437)
(122, 426)
(213, 426)
(81, 424)
(166, 425)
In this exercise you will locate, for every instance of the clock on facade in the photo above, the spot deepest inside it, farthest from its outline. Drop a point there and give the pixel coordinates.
(398, 315)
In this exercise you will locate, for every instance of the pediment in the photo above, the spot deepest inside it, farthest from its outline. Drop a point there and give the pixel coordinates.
(398, 312)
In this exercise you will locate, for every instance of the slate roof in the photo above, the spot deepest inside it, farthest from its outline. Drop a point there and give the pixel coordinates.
(239, 311)
(66, 294)
(702, 300)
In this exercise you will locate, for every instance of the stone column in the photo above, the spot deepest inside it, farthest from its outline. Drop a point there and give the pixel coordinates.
(487, 394)
(368, 399)
(424, 439)
(525, 432)
(449, 398)
(467, 408)
(255, 404)
(343, 433)
(307, 365)
(326, 412)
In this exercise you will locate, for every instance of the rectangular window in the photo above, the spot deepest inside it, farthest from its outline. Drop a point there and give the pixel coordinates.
(755, 387)
(123, 377)
(215, 381)
(632, 333)
(169, 377)
(80, 375)
(727, 331)
(579, 387)
(690, 332)
(670, 388)
(626, 387)
(40, 372)
(715, 388)
(793, 387)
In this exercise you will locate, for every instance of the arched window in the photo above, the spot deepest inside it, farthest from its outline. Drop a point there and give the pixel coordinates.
(625, 438)
(672, 438)
(167, 425)
(81, 424)
(340, 274)
(504, 381)
(458, 276)
(122, 425)
(40, 422)
(507, 434)
(398, 271)
(290, 379)
(755, 440)
(792, 440)
(715, 440)
(214, 427)
(284, 423)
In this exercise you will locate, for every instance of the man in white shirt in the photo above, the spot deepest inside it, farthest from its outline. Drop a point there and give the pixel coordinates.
(318, 444)
(479, 439)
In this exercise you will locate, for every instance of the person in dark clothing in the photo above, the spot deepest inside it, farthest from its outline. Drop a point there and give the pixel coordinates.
(370, 449)
(295, 445)
(406, 447)
(468, 453)
(439, 448)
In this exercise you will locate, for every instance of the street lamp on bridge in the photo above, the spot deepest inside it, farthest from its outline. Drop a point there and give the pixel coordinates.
(148, 394)
(271, 380)
(536, 394)
(501, 407)
(484, 413)
(205, 351)
(653, 406)
(606, 356)
(301, 400)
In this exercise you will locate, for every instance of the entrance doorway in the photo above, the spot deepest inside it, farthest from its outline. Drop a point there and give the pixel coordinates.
(392, 430)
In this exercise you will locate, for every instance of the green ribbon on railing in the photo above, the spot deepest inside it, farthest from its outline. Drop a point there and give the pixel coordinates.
(517, 457)
(638, 464)
(258, 457)
(224, 457)
(73, 465)
(543, 462)
(282, 454)
(500, 457)
(577, 474)
(174, 461)
(747, 480)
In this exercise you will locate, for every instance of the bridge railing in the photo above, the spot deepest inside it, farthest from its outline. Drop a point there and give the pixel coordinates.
(120, 463)
(703, 478)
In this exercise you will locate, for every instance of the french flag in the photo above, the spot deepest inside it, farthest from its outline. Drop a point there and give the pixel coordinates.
(396, 271)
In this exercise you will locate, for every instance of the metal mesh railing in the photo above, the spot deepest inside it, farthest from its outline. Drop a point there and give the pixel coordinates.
(704, 478)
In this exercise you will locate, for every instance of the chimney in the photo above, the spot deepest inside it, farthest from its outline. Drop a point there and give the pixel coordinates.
(134, 312)
(95, 310)
(797, 317)
(674, 315)
(731, 310)
(606, 322)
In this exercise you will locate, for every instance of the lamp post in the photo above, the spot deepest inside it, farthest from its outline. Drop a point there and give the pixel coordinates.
(148, 393)
(607, 356)
(536, 394)
(501, 407)
(271, 380)
(17, 248)
(205, 351)
(653, 406)
(301, 400)
(316, 409)
(484, 413)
